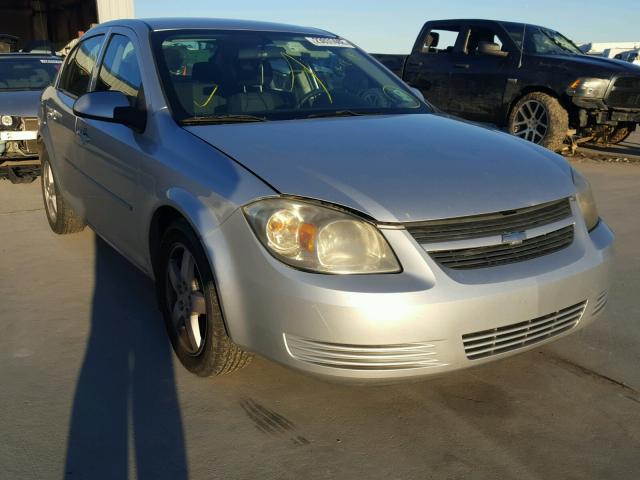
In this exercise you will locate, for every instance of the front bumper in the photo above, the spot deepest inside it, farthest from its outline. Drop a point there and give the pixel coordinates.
(384, 328)
(613, 117)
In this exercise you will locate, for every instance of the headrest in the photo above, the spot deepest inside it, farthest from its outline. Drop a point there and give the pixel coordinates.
(261, 53)
(250, 73)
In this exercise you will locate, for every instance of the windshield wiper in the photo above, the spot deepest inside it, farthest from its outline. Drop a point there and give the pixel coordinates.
(222, 119)
(341, 113)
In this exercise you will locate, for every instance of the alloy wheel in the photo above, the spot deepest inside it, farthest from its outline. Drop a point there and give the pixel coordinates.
(50, 192)
(186, 300)
(531, 121)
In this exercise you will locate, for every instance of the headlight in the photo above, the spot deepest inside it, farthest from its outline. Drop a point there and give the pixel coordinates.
(589, 87)
(7, 120)
(319, 238)
(586, 200)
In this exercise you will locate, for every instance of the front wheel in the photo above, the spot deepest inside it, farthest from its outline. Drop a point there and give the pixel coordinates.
(62, 218)
(190, 306)
(539, 118)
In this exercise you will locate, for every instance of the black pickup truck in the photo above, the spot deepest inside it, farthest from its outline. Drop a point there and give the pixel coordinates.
(528, 79)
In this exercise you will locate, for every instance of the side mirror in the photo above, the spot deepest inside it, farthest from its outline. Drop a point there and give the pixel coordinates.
(112, 106)
(417, 93)
(490, 48)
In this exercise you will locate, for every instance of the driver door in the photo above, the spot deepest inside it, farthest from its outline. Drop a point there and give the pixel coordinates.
(112, 153)
(429, 66)
(479, 80)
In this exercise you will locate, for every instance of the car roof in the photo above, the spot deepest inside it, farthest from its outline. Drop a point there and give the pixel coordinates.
(158, 24)
(483, 20)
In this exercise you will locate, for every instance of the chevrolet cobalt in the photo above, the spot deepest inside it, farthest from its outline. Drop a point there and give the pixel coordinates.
(293, 198)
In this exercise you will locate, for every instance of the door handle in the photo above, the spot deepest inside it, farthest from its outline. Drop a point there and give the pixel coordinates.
(414, 64)
(53, 114)
(461, 65)
(82, 134)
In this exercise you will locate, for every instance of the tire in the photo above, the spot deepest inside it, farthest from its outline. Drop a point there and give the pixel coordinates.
(61, 217)
(620, 134)
(539, 118)
(190, 306)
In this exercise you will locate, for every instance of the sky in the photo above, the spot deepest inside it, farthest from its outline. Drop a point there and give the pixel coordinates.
(392, 26)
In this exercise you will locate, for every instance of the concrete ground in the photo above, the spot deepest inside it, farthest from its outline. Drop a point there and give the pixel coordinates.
(89, 388)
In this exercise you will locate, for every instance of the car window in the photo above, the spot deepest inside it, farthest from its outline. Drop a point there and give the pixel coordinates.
(440, 40)
(77, 72)
(541, 41)
(275, 75)
(481, 34)
(119, 70)
(28, 73)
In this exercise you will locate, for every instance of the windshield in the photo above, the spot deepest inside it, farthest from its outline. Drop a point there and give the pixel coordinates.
(251, 76)
(541, 41)
(28, 73)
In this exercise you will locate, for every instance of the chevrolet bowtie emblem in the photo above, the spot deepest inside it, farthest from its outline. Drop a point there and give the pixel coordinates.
(514, 238)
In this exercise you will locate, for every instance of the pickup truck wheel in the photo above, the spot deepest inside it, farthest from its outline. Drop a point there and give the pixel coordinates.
(190, 306)
(62, 219)
(539, 118)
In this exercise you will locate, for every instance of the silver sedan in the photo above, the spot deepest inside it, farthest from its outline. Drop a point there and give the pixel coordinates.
(292, 198)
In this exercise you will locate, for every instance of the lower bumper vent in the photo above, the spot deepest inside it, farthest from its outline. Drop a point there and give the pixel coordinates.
(517, 335)
(600, 303)
(363, 357)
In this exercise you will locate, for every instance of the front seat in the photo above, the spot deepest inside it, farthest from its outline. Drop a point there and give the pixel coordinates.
(254, 78)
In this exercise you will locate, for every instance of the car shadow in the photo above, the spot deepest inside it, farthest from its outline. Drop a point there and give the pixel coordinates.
(126, 420)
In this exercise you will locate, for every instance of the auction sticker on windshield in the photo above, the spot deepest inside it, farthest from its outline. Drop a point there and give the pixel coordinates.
(329, 42)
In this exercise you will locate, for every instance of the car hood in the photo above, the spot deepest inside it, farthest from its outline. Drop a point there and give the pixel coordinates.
(23, 103)
(396, 168)
(609, 66)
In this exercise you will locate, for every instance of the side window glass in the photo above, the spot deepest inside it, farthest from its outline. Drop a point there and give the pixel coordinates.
(119, 70)
(76, 75)
(440, 40)
(477, 35)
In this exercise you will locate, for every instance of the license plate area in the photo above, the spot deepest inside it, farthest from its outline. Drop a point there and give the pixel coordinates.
(18, 135)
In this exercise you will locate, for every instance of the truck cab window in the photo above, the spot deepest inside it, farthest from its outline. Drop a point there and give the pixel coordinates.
(477, 35)
(440, 40)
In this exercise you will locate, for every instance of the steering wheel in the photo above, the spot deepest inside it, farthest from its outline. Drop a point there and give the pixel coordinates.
(310, 95)
(374, 97)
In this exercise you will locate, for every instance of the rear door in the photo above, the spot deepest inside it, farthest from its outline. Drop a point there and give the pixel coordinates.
(429, 66)
(478, 81)
(111, 153)
(74, 81)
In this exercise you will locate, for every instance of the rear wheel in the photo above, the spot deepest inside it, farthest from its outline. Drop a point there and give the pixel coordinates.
(539, 118)
(190, 306)
(62, 219)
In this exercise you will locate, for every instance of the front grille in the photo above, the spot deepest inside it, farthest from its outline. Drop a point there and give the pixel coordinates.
(502, 254)
(511, 337)
(30, 124)
(490, 224)
(624, 93)
(363, 357)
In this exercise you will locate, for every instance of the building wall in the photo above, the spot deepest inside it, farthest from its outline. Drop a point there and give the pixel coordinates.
(114, 9)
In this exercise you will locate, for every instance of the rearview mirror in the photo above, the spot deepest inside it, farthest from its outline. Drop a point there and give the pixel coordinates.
(417, 93)
(490, 48)
(112, 106)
